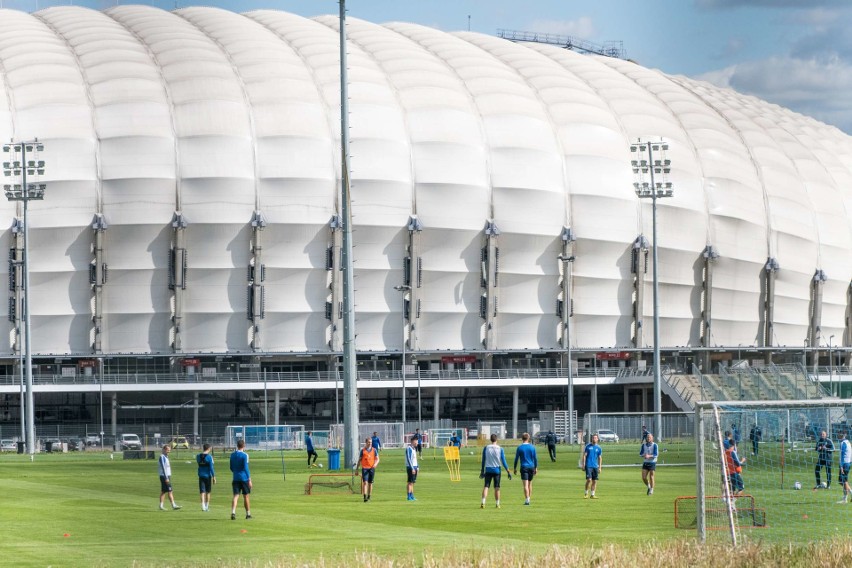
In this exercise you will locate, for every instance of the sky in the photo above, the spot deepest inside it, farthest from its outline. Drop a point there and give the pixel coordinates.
(795, 53)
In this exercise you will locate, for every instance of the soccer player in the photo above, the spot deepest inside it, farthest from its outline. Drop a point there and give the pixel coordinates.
(411, 467)
(735, 470)
(729, 439)
(825, 454)
(755, 435)
(492, 458)
(455, 440)
(592, 462)
(309, 445)
(550, 440)
(649, 451)
(376, 442)
(419, 441)
(165, 469)
(735, 433)
(241, 482)
(644, 433)
(206, 476)
(845, 465)
(369, 459)
(529, 465)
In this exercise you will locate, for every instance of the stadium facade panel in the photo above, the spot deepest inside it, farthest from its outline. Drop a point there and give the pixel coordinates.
(207, 143)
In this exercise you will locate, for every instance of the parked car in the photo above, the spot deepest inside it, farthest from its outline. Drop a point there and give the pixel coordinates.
(76, 445)
(8, 446)
(130, 442)
(93, 440)
(179, 442)
(607, 436)
(51, 445)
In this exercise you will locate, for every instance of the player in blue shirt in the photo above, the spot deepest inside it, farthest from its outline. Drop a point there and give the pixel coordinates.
(529, 465)
(644, 433)
(492, 458)
(845, 465)
(242, 479)
(309, 446)
(592, 462)
(649, 451)
(455, 440)
(376, 442)
(206, 476)
(419, 437)
(411, 467)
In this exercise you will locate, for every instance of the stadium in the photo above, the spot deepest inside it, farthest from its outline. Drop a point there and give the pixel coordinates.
(184, 263)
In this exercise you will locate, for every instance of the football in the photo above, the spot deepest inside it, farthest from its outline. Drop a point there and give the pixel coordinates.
(320, 466)
(797, 485)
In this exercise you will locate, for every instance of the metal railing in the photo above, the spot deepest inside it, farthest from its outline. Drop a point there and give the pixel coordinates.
(322, 376)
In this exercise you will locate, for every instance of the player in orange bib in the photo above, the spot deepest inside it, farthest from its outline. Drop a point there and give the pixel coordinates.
(369, 459)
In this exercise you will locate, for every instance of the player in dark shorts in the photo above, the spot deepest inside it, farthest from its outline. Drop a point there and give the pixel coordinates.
(526, 454)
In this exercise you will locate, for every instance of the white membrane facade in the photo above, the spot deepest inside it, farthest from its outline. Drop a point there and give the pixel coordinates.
(211, 139)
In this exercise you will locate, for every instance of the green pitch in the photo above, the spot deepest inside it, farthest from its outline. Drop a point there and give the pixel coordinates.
(87, 510)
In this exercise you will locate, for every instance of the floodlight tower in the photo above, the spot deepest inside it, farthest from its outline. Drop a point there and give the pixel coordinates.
(653, 190)
(21, 160)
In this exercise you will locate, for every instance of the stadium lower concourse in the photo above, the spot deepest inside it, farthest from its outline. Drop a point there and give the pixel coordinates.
(180, 252)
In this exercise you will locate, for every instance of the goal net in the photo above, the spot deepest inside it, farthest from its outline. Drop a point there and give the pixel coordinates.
(620, 436)
(281, 437)
(759, 468)
(440, 437)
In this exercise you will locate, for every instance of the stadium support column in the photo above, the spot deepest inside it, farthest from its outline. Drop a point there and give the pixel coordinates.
(414, 280)
(489, 266)
(195, 415)
(334, 301)
(436, 409)
(710, 255)
(566, 311)
(277, 407)
(350, 370)
(177, 276)
(817, 283)
(97, 278)
(639, 268)
(256, 276)
(515, 413)
(847, 336)
(114, 420)
(770, 270)
(404, 289)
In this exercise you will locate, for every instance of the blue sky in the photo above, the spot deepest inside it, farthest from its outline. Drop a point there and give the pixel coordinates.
(796, 53)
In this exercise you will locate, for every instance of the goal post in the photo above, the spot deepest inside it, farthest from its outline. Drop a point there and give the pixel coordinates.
(786, 488)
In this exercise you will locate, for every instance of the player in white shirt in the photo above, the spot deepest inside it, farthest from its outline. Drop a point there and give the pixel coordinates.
(845, 465)
(165, 470)
(649, 451)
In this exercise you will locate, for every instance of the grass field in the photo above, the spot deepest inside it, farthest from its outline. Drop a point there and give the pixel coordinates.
(108, 510)
(86, 509)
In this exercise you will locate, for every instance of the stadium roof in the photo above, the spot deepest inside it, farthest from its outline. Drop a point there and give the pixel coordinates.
(209, 117)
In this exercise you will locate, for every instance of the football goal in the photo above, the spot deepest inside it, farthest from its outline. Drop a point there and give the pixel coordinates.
(766, 465)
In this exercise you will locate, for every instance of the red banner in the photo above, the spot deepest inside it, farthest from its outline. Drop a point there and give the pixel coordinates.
(458, 359)
(190, 362)
(613, 356)
(83, 363)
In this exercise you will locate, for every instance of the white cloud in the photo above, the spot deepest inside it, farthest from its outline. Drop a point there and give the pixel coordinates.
(582, 28)
(813, 87)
